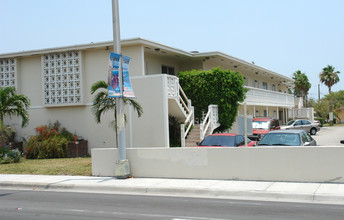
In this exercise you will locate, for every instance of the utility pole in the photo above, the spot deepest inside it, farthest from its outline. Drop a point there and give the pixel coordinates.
(122, 166)
(318, 92)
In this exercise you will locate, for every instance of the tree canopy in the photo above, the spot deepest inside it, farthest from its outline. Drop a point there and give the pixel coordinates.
(329, 77)
(12, 104)
(302, 84)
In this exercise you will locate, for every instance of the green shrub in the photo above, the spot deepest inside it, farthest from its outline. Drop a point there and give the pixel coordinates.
(51, 147)
(8, 155)
(174, 131)
(50, 142)
(224, 88)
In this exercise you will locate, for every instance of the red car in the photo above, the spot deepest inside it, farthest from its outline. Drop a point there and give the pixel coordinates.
(261, 126)
(225, 140)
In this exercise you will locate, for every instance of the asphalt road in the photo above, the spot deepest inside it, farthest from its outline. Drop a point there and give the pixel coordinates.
(37, 205)
(330, 136)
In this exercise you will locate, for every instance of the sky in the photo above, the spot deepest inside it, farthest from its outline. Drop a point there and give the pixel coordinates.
(280, 35)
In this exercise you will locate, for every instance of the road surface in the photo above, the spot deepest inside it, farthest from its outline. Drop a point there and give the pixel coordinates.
(39, 205)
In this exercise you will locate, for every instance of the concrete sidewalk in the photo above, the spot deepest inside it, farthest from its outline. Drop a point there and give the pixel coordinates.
(270, 191)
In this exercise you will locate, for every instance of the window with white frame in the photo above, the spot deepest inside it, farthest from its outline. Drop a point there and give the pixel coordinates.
(62, 78)
(265, 85)
(8, 72)
(273, 88)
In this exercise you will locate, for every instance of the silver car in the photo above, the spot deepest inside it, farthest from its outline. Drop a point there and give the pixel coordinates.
(302, 124)
(287, 138)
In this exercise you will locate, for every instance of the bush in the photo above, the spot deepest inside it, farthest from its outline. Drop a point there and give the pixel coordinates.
(8, 155)
(50, 142)
(174, 130)
(51, 147)
(224, 88)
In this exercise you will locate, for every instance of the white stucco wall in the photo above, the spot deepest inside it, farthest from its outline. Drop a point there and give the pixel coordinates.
(150, 130)
(300, 164)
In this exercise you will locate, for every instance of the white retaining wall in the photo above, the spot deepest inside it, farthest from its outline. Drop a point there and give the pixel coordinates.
(300, 164)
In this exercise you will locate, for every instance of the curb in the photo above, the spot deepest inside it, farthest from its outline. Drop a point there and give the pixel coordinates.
(180, 191)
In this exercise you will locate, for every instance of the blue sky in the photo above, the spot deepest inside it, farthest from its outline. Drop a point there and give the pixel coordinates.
(283, 36)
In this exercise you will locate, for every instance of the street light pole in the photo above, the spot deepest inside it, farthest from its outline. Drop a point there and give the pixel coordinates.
(122, 166)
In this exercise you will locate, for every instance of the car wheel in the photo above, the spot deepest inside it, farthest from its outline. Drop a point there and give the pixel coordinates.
(313, 131)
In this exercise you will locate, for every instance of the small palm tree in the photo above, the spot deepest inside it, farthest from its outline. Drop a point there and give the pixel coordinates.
(12, 104)
(302, 84)
(329, 77)
(103, 103)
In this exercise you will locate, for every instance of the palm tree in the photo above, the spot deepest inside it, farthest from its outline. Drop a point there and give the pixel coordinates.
(103, 103)
(329, 77)
(302, 84)
(12, 104)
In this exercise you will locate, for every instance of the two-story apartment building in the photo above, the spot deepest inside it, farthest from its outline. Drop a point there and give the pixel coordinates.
(58, 81)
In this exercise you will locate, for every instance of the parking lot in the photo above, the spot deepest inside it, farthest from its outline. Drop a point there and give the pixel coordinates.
(330, 136)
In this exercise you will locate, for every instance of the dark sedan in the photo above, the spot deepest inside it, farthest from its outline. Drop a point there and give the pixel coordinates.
(287, 138)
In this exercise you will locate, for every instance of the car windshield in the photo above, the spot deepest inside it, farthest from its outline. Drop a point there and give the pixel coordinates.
(260, 125)
(218, 140)
(281, 139)
(290, 122)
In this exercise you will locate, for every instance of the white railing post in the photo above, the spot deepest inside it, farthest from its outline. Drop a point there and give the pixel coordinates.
(182, 135)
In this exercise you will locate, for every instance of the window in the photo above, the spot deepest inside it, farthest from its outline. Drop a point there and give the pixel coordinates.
(167, 70)
(265, 113)
(305, 122)
(62, 78)
(273, 87)
(265, 85)
(239, 140)
(7, 72)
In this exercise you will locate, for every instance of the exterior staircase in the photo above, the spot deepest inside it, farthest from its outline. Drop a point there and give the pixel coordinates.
(193, 136)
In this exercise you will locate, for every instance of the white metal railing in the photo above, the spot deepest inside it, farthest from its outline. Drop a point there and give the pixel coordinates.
(255, 96)
(295, 113)
(188, 123)
(175, 91)
(210, 121)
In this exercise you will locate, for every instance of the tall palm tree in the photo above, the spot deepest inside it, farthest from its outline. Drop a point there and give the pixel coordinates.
(12, 104)
(302, 84)
(103, 103)
(329, 77)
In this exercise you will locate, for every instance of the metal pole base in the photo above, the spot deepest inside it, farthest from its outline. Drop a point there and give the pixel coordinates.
(122, 169)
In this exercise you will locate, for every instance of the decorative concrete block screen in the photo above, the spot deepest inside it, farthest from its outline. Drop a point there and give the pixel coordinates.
(7, 72)
(62, 78)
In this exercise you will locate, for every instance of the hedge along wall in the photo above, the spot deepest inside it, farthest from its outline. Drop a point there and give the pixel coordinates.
(224, 88)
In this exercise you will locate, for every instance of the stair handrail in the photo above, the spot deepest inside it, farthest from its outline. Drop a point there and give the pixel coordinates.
(210, 121)
(190, 122)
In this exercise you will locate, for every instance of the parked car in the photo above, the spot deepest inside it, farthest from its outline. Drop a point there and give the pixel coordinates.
(225, 140)
(261, 126)
(302, 124)
(287, 138)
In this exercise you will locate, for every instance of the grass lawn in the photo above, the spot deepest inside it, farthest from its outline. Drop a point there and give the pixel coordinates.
(63, 166)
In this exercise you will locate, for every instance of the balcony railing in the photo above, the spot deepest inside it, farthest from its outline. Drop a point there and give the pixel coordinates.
(256, 96)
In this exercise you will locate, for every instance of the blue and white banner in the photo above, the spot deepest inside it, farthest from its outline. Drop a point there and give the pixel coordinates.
(114, 89)
(128, 91)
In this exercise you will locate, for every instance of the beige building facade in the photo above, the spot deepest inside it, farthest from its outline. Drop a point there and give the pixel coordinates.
(58, 81)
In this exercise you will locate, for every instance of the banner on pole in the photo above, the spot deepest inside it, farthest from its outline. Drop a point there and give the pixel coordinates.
(114, 89)
(128, 91)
